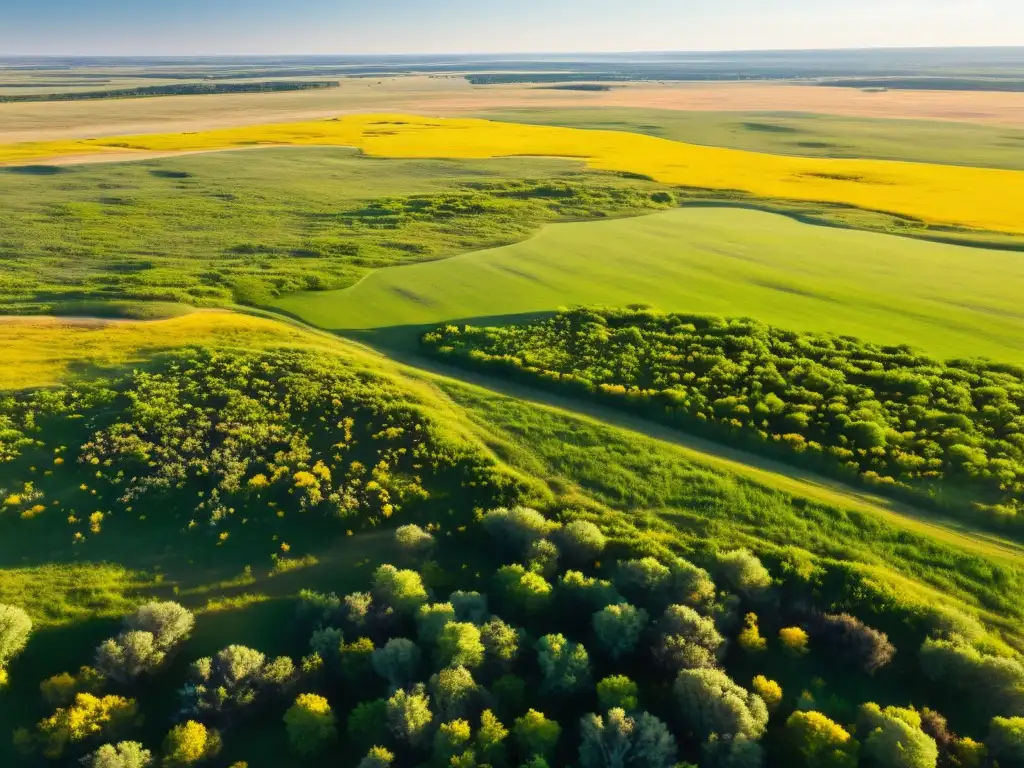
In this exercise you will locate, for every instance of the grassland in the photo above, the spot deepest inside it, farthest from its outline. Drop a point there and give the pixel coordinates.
(973, 198)
(803, 134)
(949, 300)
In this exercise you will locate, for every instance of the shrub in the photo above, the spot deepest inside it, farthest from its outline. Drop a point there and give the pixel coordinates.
(565, 665)
(710, 702)
(855, 641)
(414, 541)
(517, 528)
(769, 690)
(311, 724)
(536, 735)
(820, 742)
(893, 738)
(750, 638)
(618, 628)
(15, 630)
(581, 541)
(618, 692)
(744, 573)
(190, 743)
(620, 740)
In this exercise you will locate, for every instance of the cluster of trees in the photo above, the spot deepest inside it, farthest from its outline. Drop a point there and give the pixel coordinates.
(949, 432)
(176, 89)
(209, 433)
(578, 653)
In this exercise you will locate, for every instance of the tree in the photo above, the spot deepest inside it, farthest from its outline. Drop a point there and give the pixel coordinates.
(642, 580)
(525, 590)
(500, 641)
(750, 638)
(127, 754)
(855, 641)
(820, 742)
(510, 693)
(690, 585)
(565, 665)
(744, 573)
(618, 692)
(490, 739)
(431, 619)
(460, 645)
(190, 743)
(794, 640)
(169, 623)
(15, 630)
(377, 757)
(311, 724)
(130, 654)
(60, 690)
(355, 609)
(584, 595)
(327, 643)
(542, 557)
(402, 590)
(536, 735)
(894, 739)
(768, 690)
(618, 628)
(453, 690)
(368, 723)
(732, 752)
(688, 640)
(398, 662)
(1005, 741)
(710, 702)
(409, 715)
(995, 682)
(357, 660)
(414, 541)
(620, 740)
(581, 541)
(451, 740)
(469, 606)
(87, 717)
(517, 528)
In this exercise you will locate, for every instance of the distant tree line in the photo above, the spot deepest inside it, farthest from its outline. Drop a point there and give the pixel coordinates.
(176, 89)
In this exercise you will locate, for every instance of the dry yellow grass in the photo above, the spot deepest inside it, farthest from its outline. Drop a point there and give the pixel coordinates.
(976, 198)
(48, 349)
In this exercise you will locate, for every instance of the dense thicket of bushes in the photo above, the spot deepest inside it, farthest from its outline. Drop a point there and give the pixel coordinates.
(950, 432)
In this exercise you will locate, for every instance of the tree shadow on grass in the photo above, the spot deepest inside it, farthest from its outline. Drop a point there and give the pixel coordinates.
(35, 170)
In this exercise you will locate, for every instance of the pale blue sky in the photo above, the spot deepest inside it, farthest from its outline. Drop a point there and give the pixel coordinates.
(186, 27)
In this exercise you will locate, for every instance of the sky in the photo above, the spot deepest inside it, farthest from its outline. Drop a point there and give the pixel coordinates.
(196, 27)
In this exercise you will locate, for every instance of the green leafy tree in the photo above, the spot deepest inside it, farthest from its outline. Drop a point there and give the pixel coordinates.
(892, 737)
(357, 660)
(414, 541)
(168, 622)
(451, 740)
(190, 743)
(618, 628)
(311, 724)
(536, 735)
(1005, 741)
(744, 573)
(402, 590)
(431, 619)
(688, 640)
(126, 754)
(542, 557)
(510, 692)
(87, 717)
(453, 692)
(377, 757)
(460, 645)
(327, 643)
(820, 742)
(565, 665)
(517, 528)
(500, 641)
(618, 692)
(398, 662)
(469, 606)
(409, 716)
(490, 740)
(644, 580)
(527, 591)
(130, 654)
(368, 723)
(710, 702)
(620, 740)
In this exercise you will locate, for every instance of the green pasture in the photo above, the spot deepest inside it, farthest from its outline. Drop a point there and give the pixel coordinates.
(810, 135)
(949, 300)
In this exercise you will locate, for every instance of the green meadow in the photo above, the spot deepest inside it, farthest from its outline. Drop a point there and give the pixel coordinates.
(794, 133)
(949, 300)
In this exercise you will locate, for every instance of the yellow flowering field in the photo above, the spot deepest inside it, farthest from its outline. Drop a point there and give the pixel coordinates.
(978, 198)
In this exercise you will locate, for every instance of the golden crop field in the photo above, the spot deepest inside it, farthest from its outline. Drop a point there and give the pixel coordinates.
(977, 198)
